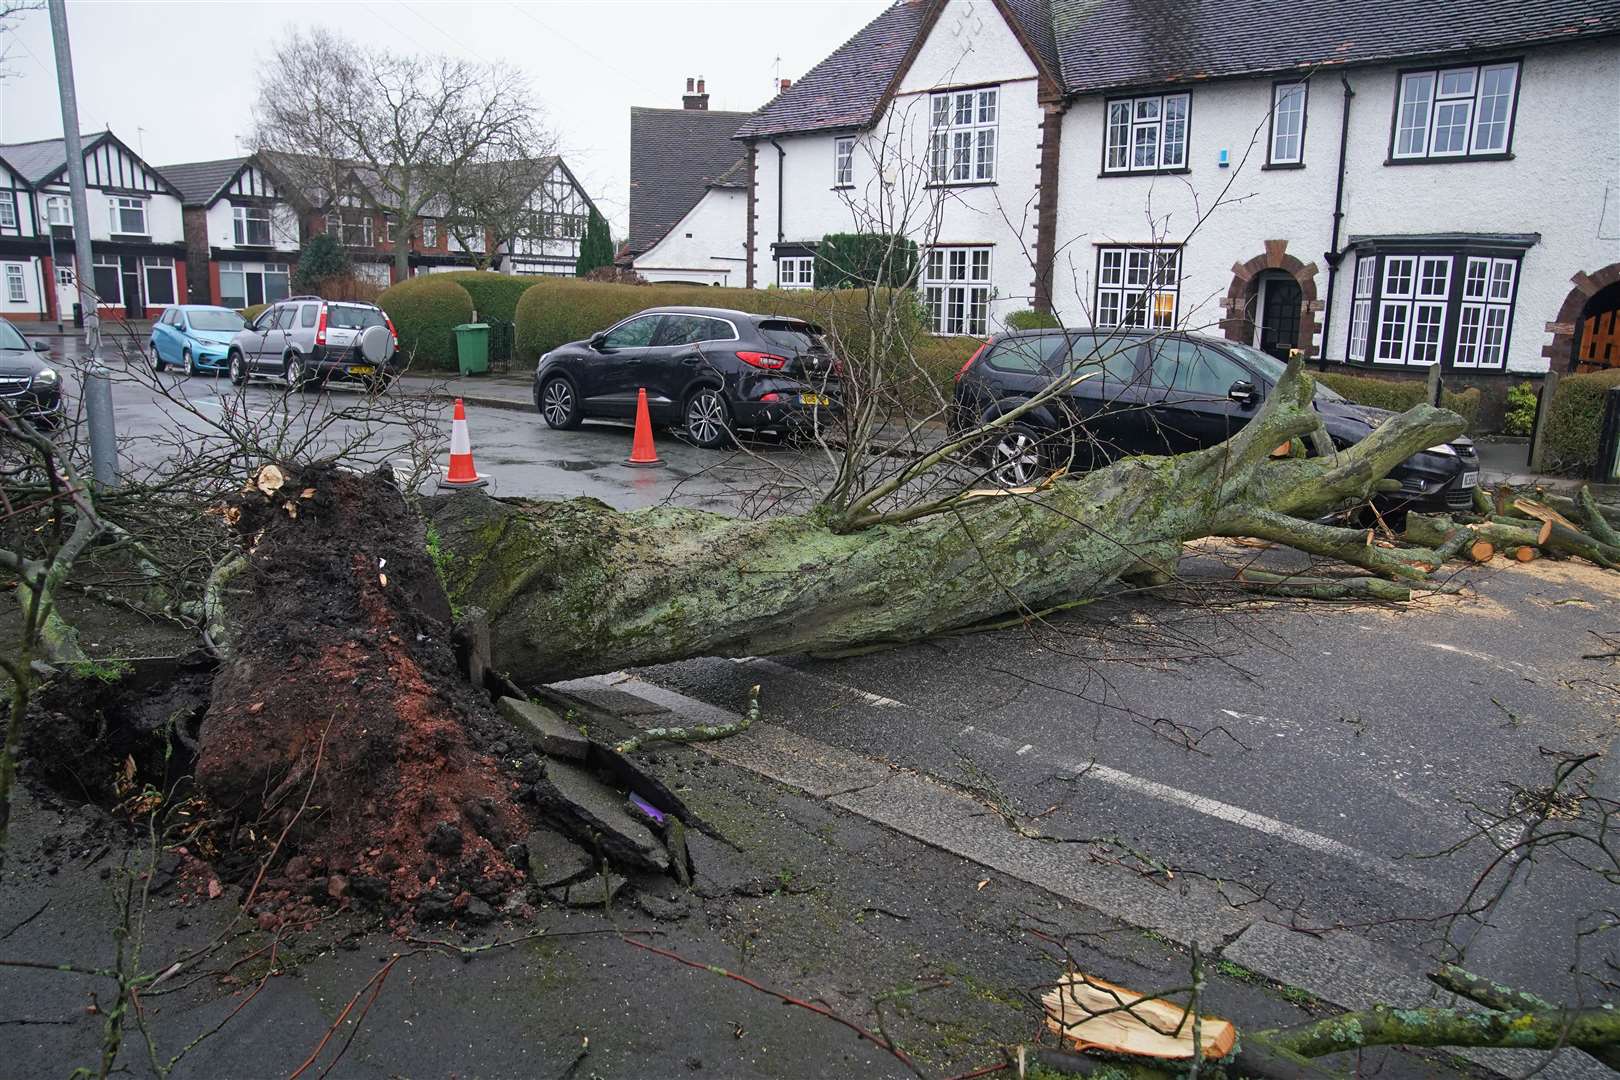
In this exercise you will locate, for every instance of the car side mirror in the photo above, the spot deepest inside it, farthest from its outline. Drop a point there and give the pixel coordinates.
(42, 346)
(597, 340)
(1243, 392)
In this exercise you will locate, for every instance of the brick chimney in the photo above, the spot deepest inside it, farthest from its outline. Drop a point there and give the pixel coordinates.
(696, 97)
(785, 84)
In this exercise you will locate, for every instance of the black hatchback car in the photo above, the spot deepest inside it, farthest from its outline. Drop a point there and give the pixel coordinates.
(28, 385)
(709, 370)
(1162, 393)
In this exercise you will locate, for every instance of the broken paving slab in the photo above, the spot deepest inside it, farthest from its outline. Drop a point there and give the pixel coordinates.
(617, 702)
(554, 859)
(542, 726)
(594, 891)
(594, 814)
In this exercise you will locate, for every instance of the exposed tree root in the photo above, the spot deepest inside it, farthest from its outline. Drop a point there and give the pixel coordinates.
(696, 734)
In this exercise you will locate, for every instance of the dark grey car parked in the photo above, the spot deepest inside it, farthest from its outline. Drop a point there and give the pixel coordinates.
(709, 370)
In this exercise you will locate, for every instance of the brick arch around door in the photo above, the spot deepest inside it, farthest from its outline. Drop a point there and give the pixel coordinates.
(1242, 295)
(1560, 352)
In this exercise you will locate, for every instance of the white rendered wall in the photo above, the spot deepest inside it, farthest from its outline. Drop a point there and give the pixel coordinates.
(706, 246)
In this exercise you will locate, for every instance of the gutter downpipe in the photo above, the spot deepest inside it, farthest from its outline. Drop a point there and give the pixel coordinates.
(781, 160)
(1333, 255)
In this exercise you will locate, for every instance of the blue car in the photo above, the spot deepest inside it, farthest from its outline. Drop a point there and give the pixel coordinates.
(194, 337)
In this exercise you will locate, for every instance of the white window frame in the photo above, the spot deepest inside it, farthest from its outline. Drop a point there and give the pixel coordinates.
(1288, 123)
(16, 284)
(150, 263)
(1361, 306)
(64, 276)
(844, 161)
(796, 271)
(337, 226)
(956, 289)
(1130, 125)
(1446, 99)
(1486, 311)
(58, 206)
(8, 211)
(117, 207)
(118, 265)
(1137, 286)
(430, 232)
(964, 129)
(242, 215)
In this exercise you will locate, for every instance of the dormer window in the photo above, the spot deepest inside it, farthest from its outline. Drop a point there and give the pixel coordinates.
(963, 125)
(1455, 113)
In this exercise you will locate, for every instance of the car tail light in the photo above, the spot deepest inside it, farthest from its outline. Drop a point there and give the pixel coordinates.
(772, 396)
(391, 332)
(320, 327)
(970, 360)
(768, 361)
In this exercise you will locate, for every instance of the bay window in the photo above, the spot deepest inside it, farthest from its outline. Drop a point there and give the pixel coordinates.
(1453, 113)
(956, 290)
(962, 134)
(1137, 286)
(1147, 134)
(1417, 308)
(250, 284)
(796, 271)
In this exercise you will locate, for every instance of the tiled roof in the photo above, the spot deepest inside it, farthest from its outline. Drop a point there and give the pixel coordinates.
(1095, 45)
(675, 154)
(1112, 43)
(845, 90)
(197, 181)
(38, 160)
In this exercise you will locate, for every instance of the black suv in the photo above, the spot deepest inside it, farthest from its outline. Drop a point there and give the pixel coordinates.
(1162, 393)
(28, 385)
(709, 370)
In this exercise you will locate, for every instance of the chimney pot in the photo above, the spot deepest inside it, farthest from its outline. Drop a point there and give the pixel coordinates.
(785, 84)
(688, 86)
(700, 84)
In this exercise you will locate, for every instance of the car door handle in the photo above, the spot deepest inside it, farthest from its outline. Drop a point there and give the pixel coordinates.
(689, 359)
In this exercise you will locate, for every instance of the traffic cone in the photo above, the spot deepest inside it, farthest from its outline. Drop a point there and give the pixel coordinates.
(642, 454)
(461, 474)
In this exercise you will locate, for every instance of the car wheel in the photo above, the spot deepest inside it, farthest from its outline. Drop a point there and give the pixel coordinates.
(1015, 457)
(157, 357)
(295, 376)
(708, 419)
(239, 372)
(188, 362)
(559, 404)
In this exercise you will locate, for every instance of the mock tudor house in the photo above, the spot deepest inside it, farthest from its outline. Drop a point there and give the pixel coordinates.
(241, 227)
(139, 256)
(687, 194)
(1387, 184)
(558, 210)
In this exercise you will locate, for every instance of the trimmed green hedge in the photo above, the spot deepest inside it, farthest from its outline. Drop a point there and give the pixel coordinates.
(425, 310)
(251, 313)
(1030, 319)
(494, 296)
(1398, 395)
(1575, 420)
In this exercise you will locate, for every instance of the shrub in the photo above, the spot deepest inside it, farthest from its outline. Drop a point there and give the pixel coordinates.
(1575, 420)
(251, 313)
(858, 260)
(494, 296)
(1030, 319)
(618, 275)
(1519, 417)
(1398, 395)
(424, 311)
(322, 258)
(596, 247)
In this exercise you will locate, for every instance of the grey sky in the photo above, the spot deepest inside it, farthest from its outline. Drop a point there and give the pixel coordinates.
(176, 80)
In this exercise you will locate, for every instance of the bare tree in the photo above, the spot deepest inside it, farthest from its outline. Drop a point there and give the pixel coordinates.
(495, 205)
(10, 12)
(406, 127)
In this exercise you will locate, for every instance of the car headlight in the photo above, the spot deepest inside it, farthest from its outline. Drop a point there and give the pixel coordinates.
(46, 377)
(1442, 449)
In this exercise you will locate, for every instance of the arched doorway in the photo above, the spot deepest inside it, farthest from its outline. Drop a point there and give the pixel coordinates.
(1272, 303)
(1584, 336)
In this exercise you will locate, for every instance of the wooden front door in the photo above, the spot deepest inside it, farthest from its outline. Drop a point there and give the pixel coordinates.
(1279, 316)
(134, 305)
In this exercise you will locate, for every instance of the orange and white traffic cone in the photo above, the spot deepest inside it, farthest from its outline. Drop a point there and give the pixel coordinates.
(462, 474)
(642, 454)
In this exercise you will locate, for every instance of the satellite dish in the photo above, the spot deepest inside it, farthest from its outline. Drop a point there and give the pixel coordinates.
(376, 343)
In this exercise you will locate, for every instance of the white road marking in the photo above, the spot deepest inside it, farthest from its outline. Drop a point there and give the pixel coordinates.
(1223, 811)
(876, 700)
(1026, 748)
(1485, 658)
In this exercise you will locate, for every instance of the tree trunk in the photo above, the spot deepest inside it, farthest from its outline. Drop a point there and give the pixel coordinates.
(576, 587)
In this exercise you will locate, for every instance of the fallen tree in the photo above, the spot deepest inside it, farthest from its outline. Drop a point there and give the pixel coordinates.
(576, 587)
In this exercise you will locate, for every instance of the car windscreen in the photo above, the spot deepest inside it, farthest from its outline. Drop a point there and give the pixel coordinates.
(215, 320)
(348, 317)
(1273, 368)
(10, 338)
(796, 337)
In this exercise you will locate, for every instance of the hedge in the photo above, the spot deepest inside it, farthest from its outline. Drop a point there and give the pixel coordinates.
(494, 296)
(251, 313)
(559, 310)
(1398, 395)
(424, 310)
(1575, 420)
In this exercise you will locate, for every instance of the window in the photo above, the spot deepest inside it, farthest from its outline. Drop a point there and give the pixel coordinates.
(632, 333)
(8, 212)
(158, 272)
(1455, 112)
(64, 276)
(308, 314)
(430, 232)
(694, 330)
(58, 211)
(1137, 286)
(963, 136)
(1287, 124)
(388, 230)
(1421, 308)
(351, 227)
(1361, 307)
(1147, 134)
(16, 289)
(108, 278)
(844, 161)
(1487, 307)
(375, 273)
(956, 290)
(252, 225)
(247, 284)
(796, 271)
(1186, 369)
(128, 216)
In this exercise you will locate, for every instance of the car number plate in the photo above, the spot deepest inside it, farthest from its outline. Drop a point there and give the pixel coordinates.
(362, 370)
(814, 399)
(1470, 479)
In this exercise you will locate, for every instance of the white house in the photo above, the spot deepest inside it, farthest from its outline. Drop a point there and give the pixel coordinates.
(241, 227)
(138, 248)
(1388, 184)
(559, 209)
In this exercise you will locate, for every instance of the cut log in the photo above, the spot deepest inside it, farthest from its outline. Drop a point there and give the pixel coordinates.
(1089, 1013)
(1543, 512)
(1336, 588)
(1567, 541)
(1435, 530)
(573, 588)
(1481, 551)
(1597, 523)
(1524, 553)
